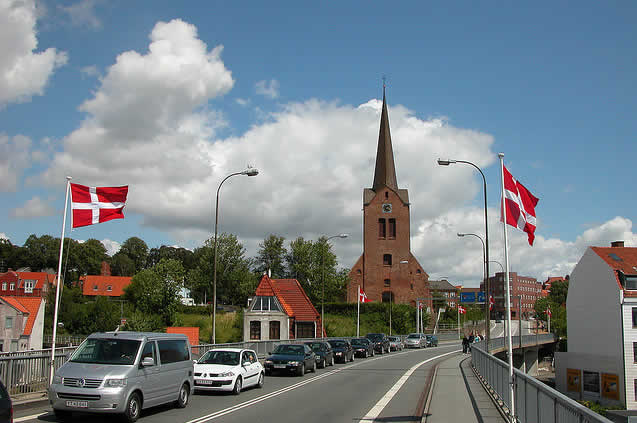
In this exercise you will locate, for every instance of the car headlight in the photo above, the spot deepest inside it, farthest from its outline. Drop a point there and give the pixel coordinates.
(115, 383)
(226, 374)
(57, 379)
(293, 363)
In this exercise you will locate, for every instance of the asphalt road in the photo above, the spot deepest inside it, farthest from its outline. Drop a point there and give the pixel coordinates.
(388, 387)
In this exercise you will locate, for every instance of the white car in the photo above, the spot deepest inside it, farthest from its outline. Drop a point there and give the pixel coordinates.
(228, 369)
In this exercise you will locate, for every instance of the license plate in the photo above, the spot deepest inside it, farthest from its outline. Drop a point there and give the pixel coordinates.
(205, 382)
(280, 366)
(77, 404)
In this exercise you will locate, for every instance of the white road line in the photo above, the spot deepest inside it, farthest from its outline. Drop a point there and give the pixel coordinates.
(382, 403)
(26, 418)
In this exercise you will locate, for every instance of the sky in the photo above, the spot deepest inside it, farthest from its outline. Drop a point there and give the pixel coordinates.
(171, 97)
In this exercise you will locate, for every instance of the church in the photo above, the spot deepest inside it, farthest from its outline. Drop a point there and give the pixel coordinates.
(387, 270)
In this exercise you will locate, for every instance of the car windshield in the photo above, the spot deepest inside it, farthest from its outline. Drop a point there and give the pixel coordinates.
(227, 358)
(413, 336)
(375, 336)
(107, 351)
(289, 349)
(337, 344)
(316, 346)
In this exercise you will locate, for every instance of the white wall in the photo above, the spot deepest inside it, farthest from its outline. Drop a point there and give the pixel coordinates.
(265, 317)
(630, 337)
(37, 332)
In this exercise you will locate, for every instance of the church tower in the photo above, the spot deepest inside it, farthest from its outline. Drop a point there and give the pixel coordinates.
(387, 270)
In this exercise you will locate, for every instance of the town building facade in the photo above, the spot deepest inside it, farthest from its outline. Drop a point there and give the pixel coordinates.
(22, 323)
(524, 291)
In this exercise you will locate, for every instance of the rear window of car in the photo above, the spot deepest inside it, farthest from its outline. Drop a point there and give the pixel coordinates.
(413, 336)
(357, 342)
(316, 346)
(393, 338)
(375, 336)
(173, 351)
(337, 344)
(290, 349)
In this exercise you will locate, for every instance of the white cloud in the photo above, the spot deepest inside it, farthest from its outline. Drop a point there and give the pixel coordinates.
(4, 236)
(33, 208)
(242, 101)
(91, 71)
(23, 71)
(14, 159)
(111, 246)
(83, 14)
(268, 88)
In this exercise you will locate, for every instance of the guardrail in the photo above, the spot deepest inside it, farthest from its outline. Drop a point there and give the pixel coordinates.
(535, 402)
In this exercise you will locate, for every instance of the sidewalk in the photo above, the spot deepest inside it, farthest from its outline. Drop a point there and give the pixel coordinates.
(458, 395)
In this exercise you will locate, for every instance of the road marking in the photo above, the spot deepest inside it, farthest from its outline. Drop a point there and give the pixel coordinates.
(382, 403)
(32, 417)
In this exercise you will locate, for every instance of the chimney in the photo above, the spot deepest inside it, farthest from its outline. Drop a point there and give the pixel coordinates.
(616, 244)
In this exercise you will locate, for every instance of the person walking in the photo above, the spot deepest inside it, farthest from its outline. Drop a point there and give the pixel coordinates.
(465, 344)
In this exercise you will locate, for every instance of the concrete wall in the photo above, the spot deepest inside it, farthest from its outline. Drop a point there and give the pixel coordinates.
(12, 335)
(590, 363)
(265, 317)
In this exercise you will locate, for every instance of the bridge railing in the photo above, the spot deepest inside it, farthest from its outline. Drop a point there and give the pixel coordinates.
(535, 402)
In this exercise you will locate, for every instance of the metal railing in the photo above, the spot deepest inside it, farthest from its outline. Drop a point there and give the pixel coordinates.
(535, 402)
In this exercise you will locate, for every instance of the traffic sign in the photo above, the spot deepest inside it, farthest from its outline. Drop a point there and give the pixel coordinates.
(467, 297)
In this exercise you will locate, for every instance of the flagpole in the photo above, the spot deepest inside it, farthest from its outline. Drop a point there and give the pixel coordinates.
(550, 320)
(458, 308)
(57, 288)
(508, 294)
(358, 314)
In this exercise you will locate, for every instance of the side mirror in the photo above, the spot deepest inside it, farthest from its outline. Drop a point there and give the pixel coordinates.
(148, 361)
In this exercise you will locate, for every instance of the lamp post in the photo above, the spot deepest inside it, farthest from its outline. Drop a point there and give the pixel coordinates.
(447, 162)
(485, 277)
(323, 284)
(250, 171)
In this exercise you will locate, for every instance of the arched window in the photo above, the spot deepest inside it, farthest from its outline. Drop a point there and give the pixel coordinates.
(392, 228)
(387, 282)
(381, 228)
(386, 259)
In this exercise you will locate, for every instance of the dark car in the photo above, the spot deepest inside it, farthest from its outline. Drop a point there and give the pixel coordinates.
(6, 406)
(432, 340)
(362, 347)
(295, 358)
(323, 351)
(380, 341)
(343, 350)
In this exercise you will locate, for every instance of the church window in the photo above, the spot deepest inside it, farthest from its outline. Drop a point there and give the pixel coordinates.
(381, 228)
(418, 271)
(392, 228)
(358, 271)
(387, 282)
(386, 194)
(386, 259)
(412, 286)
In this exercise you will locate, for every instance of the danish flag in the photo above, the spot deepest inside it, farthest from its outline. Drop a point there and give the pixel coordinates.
(519, 205)
(462, 310)
(92, 205)
(548, 312)
(491, 302)
(362, 297)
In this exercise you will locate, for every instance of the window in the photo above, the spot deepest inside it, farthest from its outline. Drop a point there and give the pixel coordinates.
(412, 286)
(387, 282)
(631, 282)
(255, 329)
(8, 322)
(173, 350)
(358, 271)
(388, 297)
(275, 330)
(265, 304)
(94, 287)
(109, 288)
(28, 287)
(386, 194)
(149, 351)
(12, 286)
(392, 228)
(381, 228)
(4, 286)
(635, 317)
(418, 271)
(634, 352)
(591, 382)
(305, 330)
(386, 259)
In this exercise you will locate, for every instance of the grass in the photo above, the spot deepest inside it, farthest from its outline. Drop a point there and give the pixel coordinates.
(339, 325)
(229, 326)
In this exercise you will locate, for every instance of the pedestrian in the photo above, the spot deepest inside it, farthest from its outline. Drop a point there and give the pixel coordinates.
(465, 344)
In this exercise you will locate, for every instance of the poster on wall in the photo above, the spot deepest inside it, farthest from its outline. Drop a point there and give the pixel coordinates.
(610, 386)
(573, 380)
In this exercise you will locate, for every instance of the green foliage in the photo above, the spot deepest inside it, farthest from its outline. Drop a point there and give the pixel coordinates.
(474, 313)
(375, 317)
(271, 256)
(41, 253)
(137, 250)
(182, 255)
(600, 409)
(122, 265)
(559, 292)
(438, 300)
(156, 290)
(145, 322)
(558, 315)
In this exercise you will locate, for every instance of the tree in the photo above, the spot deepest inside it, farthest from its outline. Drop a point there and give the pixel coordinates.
(184, 256)
(122, 265)
(90, 255)
(559, 292)
(155, 290)
(438, 300)
(271, 256)
(41, 253)
(137, 250)
(8, 255)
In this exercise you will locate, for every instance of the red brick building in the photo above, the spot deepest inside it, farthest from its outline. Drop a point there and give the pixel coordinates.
(527, 288)
(26, 284)
(110, 286)
(387, 270)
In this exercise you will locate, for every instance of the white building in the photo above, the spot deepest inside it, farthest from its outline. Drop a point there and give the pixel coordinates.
(601, 362)
(21, 323)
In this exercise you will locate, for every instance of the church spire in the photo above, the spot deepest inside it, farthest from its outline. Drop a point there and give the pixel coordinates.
(385, 172)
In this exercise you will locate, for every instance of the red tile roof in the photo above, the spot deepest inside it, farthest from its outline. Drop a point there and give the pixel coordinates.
(627, 262)
(40, 277)
(28, 305)
(291, 296)
(117, 284)
(191, 332)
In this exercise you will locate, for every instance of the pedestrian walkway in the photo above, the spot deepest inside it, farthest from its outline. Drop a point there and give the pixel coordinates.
(458, 396)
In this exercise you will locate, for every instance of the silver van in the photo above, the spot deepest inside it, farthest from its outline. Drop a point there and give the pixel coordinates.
(123, 373)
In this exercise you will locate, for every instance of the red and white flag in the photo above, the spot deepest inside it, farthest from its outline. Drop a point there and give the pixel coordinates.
(491, 302)
(462, 310)
(362, 297)
(92, 205)
(519, 205)
(548, 312)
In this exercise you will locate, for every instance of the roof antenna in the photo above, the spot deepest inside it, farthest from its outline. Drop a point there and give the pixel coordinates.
(384, 84)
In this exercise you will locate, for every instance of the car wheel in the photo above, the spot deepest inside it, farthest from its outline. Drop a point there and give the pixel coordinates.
(332, 361)
(62, 415)
(237, 386)
(133, 408)
(301, 370)
(184, 395)
(324, 363)
(365, 354)
(261, 380)
(313, 369)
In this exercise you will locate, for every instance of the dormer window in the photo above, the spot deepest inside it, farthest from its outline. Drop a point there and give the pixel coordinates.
(265, 304)
(94, 287)
(630, 282)
(109, 288)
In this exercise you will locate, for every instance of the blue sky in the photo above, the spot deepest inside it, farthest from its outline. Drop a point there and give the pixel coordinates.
(293, 89)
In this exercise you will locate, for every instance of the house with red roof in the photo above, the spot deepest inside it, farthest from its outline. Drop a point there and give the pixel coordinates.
(26, 284)
(109, 286)
(601, 308)
(280, 310)
(21, 323)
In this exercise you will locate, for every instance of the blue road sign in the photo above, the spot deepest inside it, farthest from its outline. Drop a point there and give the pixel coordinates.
(481, 297)
(467, 297)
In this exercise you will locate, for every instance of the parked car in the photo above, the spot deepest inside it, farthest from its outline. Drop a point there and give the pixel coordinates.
(343, 350)
(297, 358)
(228, 369)
(395, 343)
(380, 341)
(6, 406)
(432, 340)
(323, 352)
(415, 340)
(362, 347)
(123, 373)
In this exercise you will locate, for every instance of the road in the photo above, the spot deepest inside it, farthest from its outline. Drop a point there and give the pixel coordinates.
(498, 329)
(389, 387)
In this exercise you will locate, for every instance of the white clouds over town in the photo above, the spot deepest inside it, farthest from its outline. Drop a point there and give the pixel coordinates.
(33, 208)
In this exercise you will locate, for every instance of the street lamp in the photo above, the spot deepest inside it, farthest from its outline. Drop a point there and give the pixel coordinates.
(447, 162)
(323, 287)
(250, 171)
(485, 276)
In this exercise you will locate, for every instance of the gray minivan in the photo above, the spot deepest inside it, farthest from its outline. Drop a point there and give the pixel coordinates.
(123, 373)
